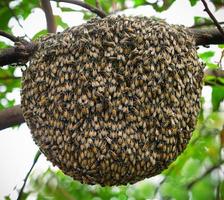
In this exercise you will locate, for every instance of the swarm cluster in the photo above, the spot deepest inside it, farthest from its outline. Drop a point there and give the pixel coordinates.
(115, 100)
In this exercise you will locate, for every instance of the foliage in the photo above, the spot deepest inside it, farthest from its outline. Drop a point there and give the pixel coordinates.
(202, 152)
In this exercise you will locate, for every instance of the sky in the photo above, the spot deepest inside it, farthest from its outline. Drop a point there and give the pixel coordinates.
(17, 148)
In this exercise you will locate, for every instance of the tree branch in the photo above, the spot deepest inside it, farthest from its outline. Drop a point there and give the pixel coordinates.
(19, 54)
(213, 18)
(9, 36)
(215, 72)
(208, 171)
(207, 36)
(97, 11)
(51, 25)
(10, 117)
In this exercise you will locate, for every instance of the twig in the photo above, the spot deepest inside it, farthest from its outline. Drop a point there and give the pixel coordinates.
(156, 191)
(10, 117)
(51, 25)
(213, 18)
(97, 11)
(208, 171)
(27, 175)
(97, 3)
(220, 60)
(215, 72)
(9, 36)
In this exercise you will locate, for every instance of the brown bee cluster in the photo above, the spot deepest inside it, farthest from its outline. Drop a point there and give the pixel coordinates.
(115, 100)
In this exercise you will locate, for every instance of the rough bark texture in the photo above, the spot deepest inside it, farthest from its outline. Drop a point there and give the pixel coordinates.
(10, 117)
(207, 36)
(19, 54)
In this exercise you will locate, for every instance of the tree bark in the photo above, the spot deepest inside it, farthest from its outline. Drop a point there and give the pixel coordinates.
(10, 117)
(207, 36)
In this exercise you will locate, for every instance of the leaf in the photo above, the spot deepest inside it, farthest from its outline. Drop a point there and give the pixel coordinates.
(206, 57)
(204, 189)
(166, 4)
(7, 198)
(218, 3)
(60, 22)
(221, 46)
(139, 2)
(217, 97)
(193, 2)
(66, 9)
(202, 20)
(39, 34)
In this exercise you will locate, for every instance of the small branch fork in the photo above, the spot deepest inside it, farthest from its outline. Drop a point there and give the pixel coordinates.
(212, 17)
(19, 54)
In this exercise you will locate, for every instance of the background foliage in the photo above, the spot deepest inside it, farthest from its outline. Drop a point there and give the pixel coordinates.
(200, 160)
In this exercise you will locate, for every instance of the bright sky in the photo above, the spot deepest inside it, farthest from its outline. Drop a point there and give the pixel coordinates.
(17, 148)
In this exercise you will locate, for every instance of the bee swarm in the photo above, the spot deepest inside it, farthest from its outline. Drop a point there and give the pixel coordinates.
(115, 100)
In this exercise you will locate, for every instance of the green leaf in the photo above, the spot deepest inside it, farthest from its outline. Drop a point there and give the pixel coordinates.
(166, 4)
(139, 2)
(39, 34)
(217, 97)
(202, 20)
(204, 189)
(193, 2)
(66, 9)
(221, 46)
(60, 22)
(7, 198)
(206, 57)
(87, 15)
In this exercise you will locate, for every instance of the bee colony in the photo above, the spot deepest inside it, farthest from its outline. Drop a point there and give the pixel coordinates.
(115, 100)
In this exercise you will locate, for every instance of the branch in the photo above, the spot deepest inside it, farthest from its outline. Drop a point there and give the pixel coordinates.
(97, 3)
(213, 18)
(51, 25)
(95, 10)
(19, 54)
(28, 174)
(208, 171)
(207, 36)
(10, 117)
(9, 36)
(215, 72)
